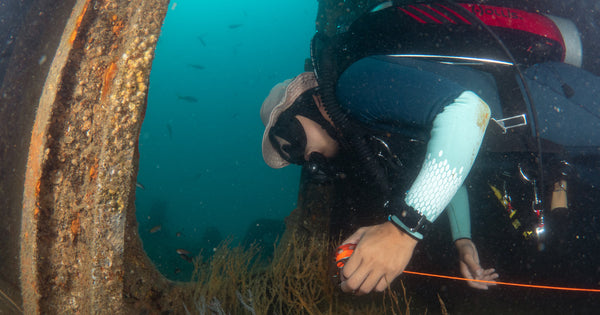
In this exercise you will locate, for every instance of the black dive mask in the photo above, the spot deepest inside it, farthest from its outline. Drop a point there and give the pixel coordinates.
(288, 136)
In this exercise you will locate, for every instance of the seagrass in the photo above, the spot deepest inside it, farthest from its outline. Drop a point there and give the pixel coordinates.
(296, 280)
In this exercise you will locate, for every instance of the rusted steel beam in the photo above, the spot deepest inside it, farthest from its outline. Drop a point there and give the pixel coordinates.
(80, 250)
(34, 27)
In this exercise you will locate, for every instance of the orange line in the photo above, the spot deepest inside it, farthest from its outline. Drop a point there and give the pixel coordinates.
(504, 283)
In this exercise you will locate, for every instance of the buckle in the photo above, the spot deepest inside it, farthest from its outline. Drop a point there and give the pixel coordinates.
(511, 122)
(412, 222)
(420, 223)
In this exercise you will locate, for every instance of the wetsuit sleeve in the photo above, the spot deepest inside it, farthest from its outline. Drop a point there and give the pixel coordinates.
(459, 215)
(456, 136)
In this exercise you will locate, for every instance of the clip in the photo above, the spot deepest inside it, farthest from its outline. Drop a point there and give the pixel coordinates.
(511, 122)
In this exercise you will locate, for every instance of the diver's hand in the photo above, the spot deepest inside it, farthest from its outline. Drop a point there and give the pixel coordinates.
(382, 252)
(470, 266)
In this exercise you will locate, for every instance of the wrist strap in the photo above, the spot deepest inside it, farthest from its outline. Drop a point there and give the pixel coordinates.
(415, 230)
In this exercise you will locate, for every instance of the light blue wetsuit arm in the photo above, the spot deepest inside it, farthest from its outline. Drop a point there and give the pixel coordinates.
(459, 215)
(456, 136)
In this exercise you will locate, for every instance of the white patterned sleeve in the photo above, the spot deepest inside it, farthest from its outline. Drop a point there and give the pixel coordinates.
(456, 136)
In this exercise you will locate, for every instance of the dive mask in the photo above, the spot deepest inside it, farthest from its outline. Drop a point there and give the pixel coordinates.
(288, 136)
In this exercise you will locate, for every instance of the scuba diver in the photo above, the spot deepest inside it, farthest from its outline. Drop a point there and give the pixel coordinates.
(403, 98)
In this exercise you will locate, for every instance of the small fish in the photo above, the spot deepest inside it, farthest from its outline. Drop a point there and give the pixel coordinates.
(182, 251)
(184, 254)
(190, 99)
(185, 257)
(201, 39)
(234, 26)
(195, 66)
(156, 229)
(177, 270)
(140, 186)
(178, 234)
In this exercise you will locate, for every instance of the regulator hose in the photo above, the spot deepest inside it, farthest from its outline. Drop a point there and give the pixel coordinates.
(349, 137)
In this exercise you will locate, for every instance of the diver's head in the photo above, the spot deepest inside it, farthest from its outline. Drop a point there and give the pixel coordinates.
(295, 126)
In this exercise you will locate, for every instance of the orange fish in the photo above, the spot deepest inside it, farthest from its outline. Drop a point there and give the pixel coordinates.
(156, 229)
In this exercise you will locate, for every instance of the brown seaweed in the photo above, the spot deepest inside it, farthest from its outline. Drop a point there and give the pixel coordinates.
(297, 280)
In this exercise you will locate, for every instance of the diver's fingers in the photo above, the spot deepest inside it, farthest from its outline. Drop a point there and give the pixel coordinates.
(355, 238)
(351, 266)
(490, 275)
(382, 285)
(478, 285)
(370, 282)
(355, 281)
(489, 272)
(487, 275)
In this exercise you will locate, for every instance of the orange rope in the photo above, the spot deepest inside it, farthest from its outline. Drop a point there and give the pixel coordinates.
(504, 283)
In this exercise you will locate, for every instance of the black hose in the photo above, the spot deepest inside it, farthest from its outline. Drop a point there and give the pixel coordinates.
(350, 138)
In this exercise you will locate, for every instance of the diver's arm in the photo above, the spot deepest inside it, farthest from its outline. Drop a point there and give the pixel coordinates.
(456, 136)
(458, 211)
(383, 251)
(459, 215)
(470, 266)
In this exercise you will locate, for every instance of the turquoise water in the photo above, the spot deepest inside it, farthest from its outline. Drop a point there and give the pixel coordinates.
(204, 178)
(200, 160)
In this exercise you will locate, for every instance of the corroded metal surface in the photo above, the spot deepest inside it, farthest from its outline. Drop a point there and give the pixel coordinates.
(34, 27)
(80, 250)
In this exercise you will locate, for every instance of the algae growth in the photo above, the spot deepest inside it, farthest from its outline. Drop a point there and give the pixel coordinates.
(298, 279)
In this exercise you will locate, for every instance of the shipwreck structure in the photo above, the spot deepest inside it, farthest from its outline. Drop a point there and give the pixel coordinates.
(74, 82)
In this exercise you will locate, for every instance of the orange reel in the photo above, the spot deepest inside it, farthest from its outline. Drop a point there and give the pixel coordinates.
(343, 253)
